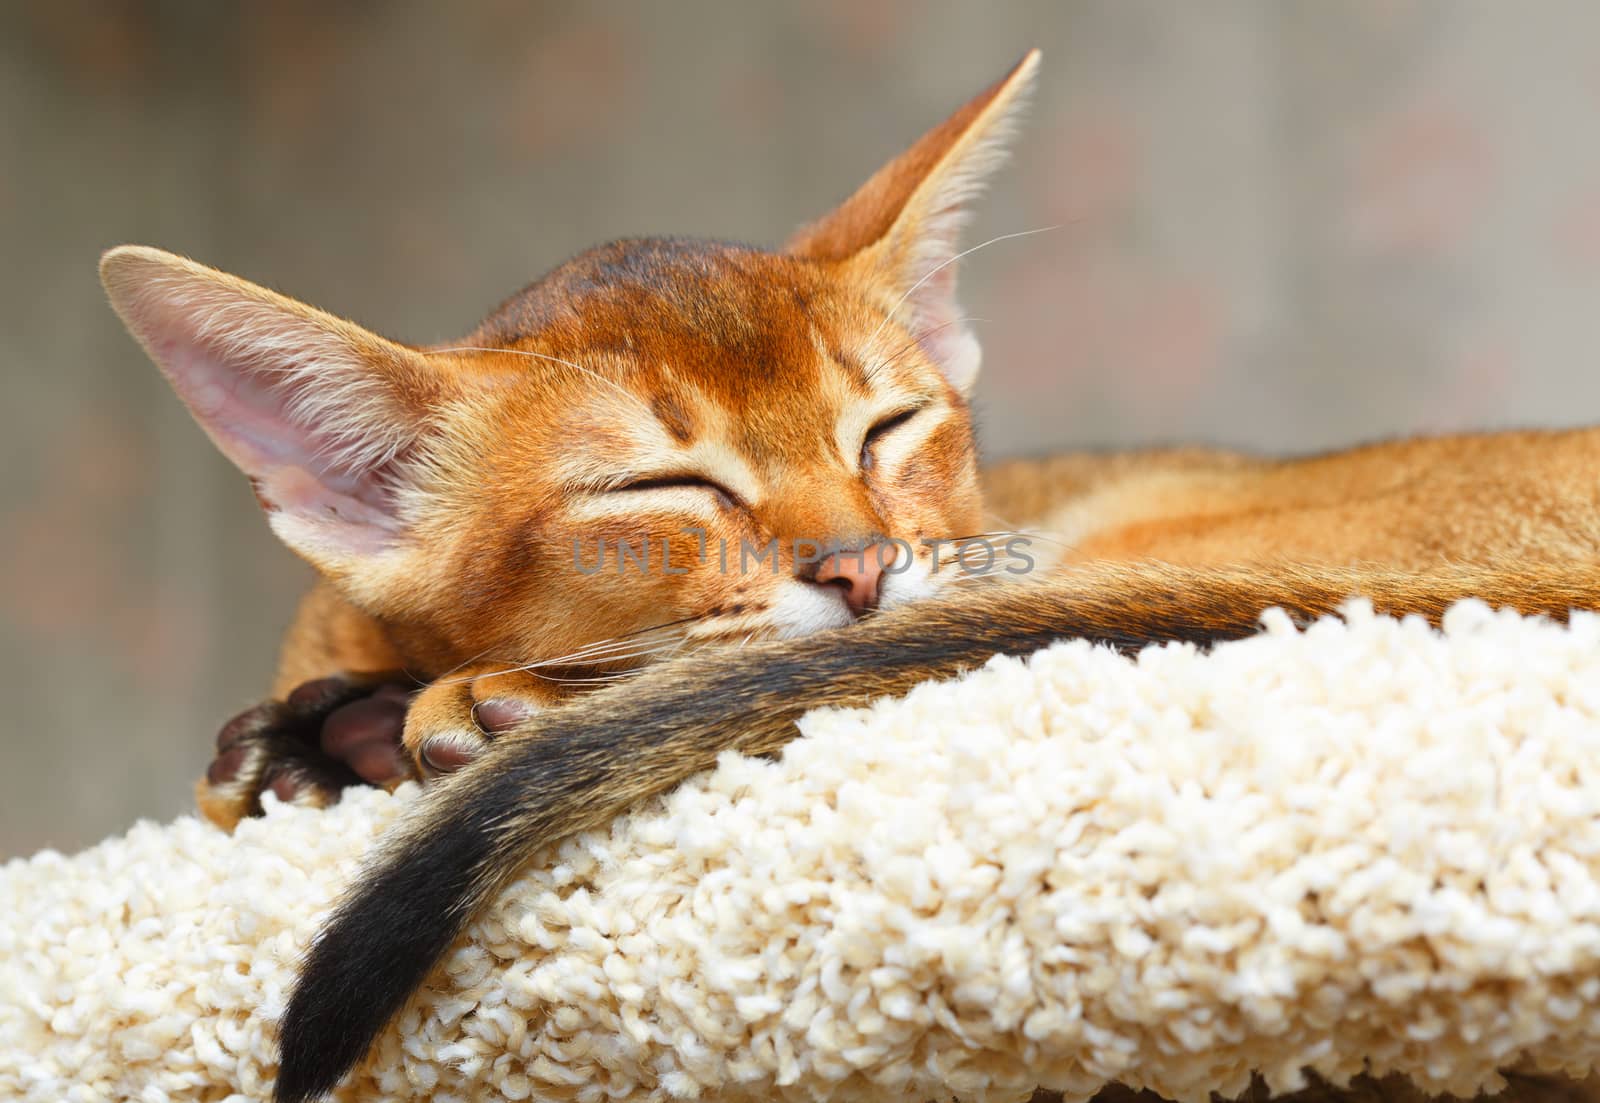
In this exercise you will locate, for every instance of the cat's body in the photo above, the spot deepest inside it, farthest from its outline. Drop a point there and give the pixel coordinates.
(707, 400)
(1411, 504)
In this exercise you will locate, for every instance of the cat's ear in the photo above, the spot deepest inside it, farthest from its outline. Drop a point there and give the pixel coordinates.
(901, 229)
(318, 412)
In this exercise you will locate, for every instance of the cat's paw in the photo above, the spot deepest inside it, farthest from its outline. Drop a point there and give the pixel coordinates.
(455, 718)
(325, 736)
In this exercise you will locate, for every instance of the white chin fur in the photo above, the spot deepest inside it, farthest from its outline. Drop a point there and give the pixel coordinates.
(912, 584)
(804, 609)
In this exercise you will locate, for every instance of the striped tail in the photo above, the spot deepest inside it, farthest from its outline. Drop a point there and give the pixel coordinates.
(578, 767)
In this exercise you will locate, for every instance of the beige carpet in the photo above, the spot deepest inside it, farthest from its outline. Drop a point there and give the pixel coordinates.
(1365, 848)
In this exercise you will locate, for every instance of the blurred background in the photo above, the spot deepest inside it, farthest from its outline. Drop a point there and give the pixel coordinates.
(1283, 226)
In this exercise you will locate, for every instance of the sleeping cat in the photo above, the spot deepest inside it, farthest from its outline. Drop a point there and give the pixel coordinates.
(707, 396)
(685, 404)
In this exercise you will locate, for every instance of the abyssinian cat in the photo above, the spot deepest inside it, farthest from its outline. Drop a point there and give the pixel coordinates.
(683, 398)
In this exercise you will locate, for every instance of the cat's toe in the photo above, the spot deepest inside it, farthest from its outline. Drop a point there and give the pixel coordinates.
(365, 735)
(287, 748)
(454, 720)
(441, 731)
(308, 780)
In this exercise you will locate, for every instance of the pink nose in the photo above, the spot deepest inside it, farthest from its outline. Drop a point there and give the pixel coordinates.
(858, 573)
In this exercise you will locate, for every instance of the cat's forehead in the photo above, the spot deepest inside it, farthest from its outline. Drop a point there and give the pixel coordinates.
(676, 319)
(761, 355)
(667, 286)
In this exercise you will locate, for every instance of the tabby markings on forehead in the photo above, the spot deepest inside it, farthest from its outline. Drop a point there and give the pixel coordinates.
(830, 353)
(726, 466)
(882, 353)
(851, 429)
(898, 447)
(634, 444)
(889, 395)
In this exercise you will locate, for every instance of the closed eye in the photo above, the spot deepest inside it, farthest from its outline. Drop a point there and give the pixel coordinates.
(680, 482)
(880, 430)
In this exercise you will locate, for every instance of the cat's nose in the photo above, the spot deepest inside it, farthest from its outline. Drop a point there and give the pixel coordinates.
(859, 574)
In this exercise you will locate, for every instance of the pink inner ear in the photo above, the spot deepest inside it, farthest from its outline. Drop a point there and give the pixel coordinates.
(935, 321)
(272, 421)
(933, 300)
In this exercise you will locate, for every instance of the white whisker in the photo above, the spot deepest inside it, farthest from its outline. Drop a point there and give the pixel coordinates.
(462, 665)
(917, 339)
(592, 680)
(629, 646)
(609, 651)
(1033, 533)
(898, 303)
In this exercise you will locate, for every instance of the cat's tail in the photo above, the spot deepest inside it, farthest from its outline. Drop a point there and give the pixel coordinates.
(578, 767)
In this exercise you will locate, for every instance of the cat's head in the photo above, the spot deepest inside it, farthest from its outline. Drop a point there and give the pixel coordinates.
(736, 442)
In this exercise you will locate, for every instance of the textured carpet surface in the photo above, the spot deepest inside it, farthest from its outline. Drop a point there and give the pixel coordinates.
(1368, 847)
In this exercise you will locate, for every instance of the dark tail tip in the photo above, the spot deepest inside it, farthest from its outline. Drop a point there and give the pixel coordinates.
(376, 950)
